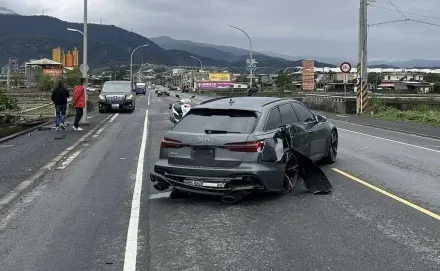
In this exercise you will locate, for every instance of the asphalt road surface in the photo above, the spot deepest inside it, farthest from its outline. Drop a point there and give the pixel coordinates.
(100, 212)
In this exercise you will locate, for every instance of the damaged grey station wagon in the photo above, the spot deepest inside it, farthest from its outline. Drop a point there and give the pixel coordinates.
(230, 147)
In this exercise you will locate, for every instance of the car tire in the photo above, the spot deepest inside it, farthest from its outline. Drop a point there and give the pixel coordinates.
(101, 111)
(332, 148)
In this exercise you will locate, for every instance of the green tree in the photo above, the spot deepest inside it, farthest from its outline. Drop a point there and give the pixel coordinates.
(374, 78)
(44, 82)
(73, 78)
(6, 103)
(158, 70)
(431, 77)
(120, 74)
(17, 79)
(283, 81)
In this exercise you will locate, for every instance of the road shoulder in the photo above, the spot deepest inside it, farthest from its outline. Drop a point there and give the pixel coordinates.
(38, 151)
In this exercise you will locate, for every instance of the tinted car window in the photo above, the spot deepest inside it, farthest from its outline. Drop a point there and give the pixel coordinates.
(288, 116)
(304, 114)
(112, 87)
(273, 120)
(230, 121)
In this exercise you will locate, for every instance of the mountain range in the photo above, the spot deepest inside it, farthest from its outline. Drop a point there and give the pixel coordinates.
(30, 37)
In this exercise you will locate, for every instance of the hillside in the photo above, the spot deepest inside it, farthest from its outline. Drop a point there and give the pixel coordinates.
(235, 55)
(27, 37)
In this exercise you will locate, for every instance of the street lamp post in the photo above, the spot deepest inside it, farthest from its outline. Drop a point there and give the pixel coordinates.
(131, 62)
(85, 66)
(250, 54)
(201, 66)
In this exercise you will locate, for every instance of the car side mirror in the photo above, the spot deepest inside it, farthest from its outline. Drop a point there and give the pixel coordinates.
(321, 118)
(171, 105)
(177, 95)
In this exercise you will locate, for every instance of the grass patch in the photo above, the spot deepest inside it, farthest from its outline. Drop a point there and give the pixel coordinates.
(421, 114)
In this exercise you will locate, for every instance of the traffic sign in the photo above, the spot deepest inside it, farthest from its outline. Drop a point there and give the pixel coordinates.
(345, 67)
(345, 78)
(81, 68)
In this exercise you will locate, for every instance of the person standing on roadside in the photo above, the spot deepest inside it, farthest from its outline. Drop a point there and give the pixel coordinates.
(59, 98)
(79, 102)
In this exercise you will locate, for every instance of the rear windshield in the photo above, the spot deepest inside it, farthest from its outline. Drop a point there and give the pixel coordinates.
(212, 120)
(116, 87)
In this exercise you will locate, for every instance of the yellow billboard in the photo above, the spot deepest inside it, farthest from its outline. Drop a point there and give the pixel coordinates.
(219, 77)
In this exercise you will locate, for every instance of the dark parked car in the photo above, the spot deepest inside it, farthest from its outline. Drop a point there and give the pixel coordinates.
(117, 95)
(141, 90)
(223, 147)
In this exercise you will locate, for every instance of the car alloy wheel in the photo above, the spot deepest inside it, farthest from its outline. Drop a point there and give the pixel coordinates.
(291, 172)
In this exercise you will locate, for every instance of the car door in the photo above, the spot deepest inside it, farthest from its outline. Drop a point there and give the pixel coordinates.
(317, 136)
(300, 136)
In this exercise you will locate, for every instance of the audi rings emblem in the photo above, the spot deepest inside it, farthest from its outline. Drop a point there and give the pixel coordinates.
(202, 140)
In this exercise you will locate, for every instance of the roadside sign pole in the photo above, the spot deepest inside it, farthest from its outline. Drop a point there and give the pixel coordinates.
(362, 82)
(345, 68)
(345, 93)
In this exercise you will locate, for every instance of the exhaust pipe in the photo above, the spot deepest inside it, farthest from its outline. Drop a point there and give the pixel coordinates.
(232, 198)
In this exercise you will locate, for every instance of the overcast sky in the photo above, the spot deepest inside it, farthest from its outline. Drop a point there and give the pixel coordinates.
(294, 27)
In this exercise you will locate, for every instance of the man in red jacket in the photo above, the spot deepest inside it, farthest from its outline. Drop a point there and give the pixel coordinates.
(79, 102)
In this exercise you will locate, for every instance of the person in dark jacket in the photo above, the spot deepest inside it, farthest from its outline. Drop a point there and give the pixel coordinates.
(252, 91)
(59, 97)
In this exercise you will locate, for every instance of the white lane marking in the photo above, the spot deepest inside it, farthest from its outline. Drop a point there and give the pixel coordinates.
(98, 133)
(69, 160)
(6, 146)
(160, 195)
(114, 117)
(149, 93)
(132, 233)
(390, 140)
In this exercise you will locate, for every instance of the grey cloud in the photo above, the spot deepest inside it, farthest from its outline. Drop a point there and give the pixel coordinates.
(295, 27)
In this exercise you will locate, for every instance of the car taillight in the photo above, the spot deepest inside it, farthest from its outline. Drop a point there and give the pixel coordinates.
(170, 143)
(256, 146)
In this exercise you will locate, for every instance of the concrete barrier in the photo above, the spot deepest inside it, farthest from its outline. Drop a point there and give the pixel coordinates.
(326, 103)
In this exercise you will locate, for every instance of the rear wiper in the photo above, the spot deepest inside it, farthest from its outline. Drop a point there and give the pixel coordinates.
(220, 132)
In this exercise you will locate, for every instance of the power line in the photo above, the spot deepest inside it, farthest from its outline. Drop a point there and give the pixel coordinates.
(404, 7)
(406, 12)
(397, 9)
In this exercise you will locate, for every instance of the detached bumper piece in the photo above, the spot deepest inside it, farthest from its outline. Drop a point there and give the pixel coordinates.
(208, 186)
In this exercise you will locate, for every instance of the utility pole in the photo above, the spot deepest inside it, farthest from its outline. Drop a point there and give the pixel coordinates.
(362, 67)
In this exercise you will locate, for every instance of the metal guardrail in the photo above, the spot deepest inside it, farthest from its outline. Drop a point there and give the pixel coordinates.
(31, 113)
(329, 97)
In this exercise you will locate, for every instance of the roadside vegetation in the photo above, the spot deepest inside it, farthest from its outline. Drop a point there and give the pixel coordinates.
(422, 114)
(7, 103)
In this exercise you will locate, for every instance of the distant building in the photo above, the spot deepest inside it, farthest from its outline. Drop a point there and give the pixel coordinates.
(75, 54)
(69, 60)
